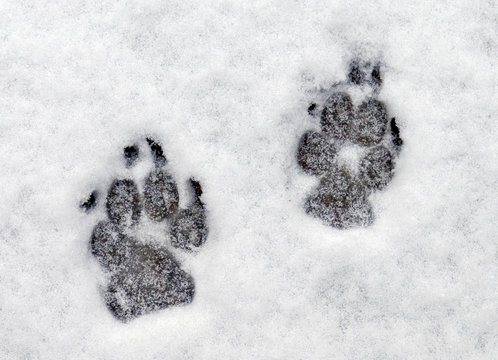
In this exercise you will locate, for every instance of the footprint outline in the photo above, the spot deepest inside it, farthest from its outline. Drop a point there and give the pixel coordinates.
(146, 277)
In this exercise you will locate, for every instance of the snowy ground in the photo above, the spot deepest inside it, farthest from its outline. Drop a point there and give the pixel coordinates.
(225, 86)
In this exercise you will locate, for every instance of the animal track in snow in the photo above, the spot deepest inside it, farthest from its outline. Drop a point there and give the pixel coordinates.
(144, 276)
(354, 153)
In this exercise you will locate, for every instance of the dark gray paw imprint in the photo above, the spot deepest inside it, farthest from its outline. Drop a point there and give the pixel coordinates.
(354, 153)
(145, 277)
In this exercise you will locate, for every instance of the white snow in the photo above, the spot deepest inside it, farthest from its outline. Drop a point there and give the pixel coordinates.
(225, 87)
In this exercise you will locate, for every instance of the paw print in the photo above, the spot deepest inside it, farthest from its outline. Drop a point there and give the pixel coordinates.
(354, 153)
(145, 276)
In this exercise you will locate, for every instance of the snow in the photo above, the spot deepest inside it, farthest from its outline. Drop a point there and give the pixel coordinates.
(225, 87)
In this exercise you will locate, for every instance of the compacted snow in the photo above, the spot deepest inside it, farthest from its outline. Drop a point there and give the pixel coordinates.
(225, 87)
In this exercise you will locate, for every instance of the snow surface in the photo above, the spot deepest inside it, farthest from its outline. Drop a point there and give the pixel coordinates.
(225, 86)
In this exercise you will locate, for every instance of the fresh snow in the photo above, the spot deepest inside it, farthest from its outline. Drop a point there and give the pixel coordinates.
(225, 87)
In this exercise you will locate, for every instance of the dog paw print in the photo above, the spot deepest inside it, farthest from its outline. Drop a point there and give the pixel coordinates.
(354, 153)
(144, 276)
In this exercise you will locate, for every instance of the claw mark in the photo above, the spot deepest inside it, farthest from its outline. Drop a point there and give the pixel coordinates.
(356, 74)
(89, 203)
(376, 79)
(312, 109)
(131, 155)
(395, 133)
(197, 189)
(157, 152)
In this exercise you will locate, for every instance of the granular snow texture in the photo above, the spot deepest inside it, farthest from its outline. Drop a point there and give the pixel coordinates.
(226, 88)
